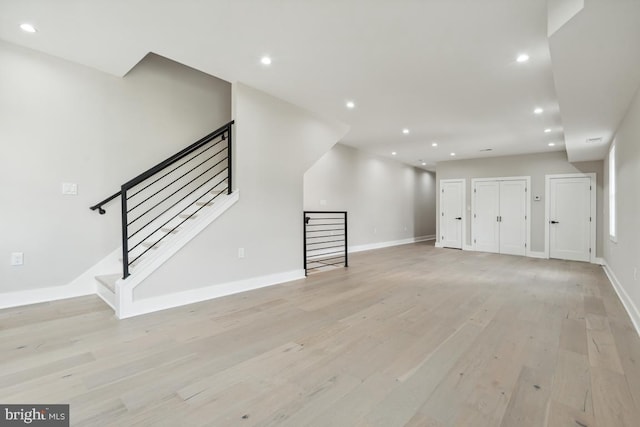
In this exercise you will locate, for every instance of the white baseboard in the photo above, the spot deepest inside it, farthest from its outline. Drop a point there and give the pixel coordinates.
(177, 299)
(467, 248)
(534, 254)
(439, 245)
(380, 245)
(599, 261)
(85, 284)
(628, 304)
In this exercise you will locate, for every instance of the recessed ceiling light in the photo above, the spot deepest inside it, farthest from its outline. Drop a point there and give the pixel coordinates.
(424, 164)
(351, 104)
(547, 130)
(434, 144)
(28, 28)
(552, 144)
(265, 60)
(453, 154)
(393, 153)
(405, 131)
(523, 57)
(538, 110)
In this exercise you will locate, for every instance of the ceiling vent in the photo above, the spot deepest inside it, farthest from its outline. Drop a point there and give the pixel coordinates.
(594, 140)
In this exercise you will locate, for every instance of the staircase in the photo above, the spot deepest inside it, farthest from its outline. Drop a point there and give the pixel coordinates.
(162, 209)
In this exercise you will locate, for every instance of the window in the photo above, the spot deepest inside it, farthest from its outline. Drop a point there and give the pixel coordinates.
(612, 192)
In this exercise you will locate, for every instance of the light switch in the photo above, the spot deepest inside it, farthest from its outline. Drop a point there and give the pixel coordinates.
(69, 188)
(17, 258)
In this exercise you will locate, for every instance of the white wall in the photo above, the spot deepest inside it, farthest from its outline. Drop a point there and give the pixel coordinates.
(385, 200)
(534, 165)
(623, 256)
(62, 122)
(275, 143)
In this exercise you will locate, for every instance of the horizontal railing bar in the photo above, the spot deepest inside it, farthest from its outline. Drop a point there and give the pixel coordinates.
(187, 195)
(323, 218)
(326, 247)
(327, 235)
(327, 263)
(326, 259)
(324, 265)
(325, 212)
(324, 254)
(328, 223)
(179, 155)
(323, 243)
(325, 229)
(174, 169)
(175, 192)
(181, 176)
(179, 224)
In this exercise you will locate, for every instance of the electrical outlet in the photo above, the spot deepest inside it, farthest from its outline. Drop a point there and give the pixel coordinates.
(240, 252)
(69, 188)
(17, 258)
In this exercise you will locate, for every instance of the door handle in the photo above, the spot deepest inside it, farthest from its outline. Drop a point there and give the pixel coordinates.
(554, 222)
(458, 217)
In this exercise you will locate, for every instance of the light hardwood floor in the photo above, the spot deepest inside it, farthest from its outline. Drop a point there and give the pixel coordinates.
(410, 335)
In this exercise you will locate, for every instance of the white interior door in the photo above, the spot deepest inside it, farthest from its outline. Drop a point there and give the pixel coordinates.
(486, 228)
(513, 217)
(451, 205)
(570, 218)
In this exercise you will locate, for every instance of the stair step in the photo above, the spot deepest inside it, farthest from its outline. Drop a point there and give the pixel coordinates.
(109, 280)
(204, 203)
(184, 216)
(170, 230)
(152, 245)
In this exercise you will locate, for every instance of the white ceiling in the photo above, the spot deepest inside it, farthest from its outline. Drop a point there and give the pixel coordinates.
(444, 69)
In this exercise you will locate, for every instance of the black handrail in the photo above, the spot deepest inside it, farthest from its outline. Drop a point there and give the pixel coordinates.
(125, 193)
(104, 202)
(179, 155)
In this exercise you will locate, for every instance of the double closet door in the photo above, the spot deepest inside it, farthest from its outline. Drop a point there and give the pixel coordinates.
(500, 216)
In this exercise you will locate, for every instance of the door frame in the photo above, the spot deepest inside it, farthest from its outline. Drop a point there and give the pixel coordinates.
(527, 179)
(593, 213)
(464, 210)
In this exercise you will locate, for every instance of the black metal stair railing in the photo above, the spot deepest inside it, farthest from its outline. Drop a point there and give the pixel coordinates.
(157, 202)
(325, 240)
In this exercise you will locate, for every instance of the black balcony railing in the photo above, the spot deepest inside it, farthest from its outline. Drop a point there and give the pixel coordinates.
(325, 240)
(157, 202)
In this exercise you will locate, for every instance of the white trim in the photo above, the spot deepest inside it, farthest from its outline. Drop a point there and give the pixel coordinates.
(85, 284)
(594, 211)
(532, 254)
(380, 245)
(124, 288)
(106, 295)
(438, 245)
(466, 247)
(177, 299)
(527, 180)
(628, 304)
(599, 261)
(464, 209)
